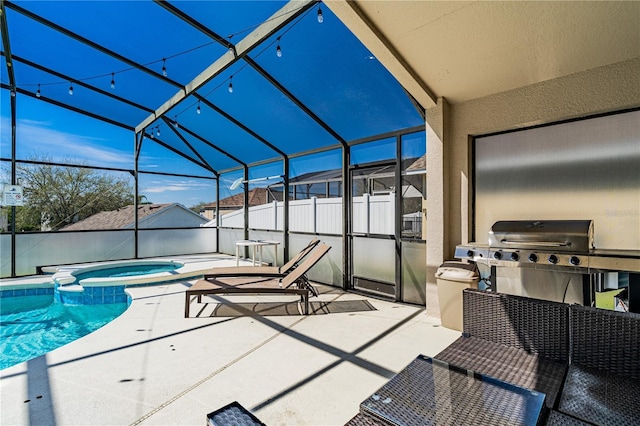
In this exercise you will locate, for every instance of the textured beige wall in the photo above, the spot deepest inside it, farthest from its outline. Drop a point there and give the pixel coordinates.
(604, 89)
(437, 130)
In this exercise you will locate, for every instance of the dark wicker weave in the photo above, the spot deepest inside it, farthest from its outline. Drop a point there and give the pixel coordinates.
(362, 419)
(516, 339)
(533, 325)
(233, 414)
(600, 397)
(557, 418)
(606, 340)
(509, 364)
(429, 392)
(602, 384)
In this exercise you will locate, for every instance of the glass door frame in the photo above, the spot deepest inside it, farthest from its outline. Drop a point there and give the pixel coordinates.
(396, 163)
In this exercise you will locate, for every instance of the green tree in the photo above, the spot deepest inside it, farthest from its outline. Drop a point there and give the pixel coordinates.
(56, 196)
(199, 207)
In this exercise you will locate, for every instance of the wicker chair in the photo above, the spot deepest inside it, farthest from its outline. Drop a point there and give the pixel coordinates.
(603, 381)
(556, 418)
(515, 339)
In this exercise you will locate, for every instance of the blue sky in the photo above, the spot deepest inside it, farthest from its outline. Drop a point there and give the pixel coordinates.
(323, 65)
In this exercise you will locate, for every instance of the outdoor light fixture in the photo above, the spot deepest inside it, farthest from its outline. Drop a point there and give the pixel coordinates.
(320, 17)
(70, 88)
(164, 67)
(13, 92)
(198, 109)
(236, 183)
(113, 82)
(278, 50)
(158, 131)
(175, 122)
(38, 92)
(230, 84)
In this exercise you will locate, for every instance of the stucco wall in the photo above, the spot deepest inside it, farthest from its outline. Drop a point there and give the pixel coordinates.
(604, 89)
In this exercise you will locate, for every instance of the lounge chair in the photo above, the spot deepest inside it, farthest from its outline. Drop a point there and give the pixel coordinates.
(295, 282)
(263, 271)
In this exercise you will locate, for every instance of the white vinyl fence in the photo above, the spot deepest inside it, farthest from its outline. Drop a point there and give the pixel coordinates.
(372, 214)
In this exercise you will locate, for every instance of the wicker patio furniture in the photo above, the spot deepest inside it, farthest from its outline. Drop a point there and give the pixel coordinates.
(432, 392)
(515, 339)
(603, 381)
(556, 418)
(233, 414)
(296, 282)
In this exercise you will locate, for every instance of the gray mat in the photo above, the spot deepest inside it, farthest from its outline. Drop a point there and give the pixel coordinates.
(289, 308)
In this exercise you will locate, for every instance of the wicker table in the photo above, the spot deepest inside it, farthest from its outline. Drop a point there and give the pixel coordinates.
(429, 392)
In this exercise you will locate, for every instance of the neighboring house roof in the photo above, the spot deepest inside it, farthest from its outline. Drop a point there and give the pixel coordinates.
(419, 164)
(257, 196)
(123, 217)
(365, 169)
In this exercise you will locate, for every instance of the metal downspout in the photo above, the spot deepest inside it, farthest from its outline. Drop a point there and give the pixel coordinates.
(398, 218)
(245, 187)
(346, 217)
(138, 146)
(218, 214)
(13, 182)
(285, 200)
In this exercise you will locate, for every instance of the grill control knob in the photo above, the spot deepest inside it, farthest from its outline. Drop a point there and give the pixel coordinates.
(497, 255)
(469, 253)
(553, 259)
(515, 257)
(533, 257)
(574, 260)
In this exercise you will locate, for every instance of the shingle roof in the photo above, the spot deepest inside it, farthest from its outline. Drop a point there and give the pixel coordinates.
(257, 196)
(419, 164)
(115, 219)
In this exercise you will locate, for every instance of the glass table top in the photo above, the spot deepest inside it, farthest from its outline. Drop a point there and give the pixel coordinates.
(432, 392)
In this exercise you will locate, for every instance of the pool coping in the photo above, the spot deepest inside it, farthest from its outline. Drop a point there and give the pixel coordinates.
(193, 267)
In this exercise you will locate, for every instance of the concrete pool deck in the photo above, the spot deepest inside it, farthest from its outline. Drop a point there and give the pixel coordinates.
(153, 366)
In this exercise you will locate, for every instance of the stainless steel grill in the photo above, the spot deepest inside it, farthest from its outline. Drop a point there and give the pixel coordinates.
(566, 245)
(559, 235)
(553, 250)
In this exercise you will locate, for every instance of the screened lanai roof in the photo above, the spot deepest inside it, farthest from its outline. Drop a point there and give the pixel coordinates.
(323, 89)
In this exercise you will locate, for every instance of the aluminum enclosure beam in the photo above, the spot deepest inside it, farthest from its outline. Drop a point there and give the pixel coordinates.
(90, 43)
(352, 15)
(213, 35)
(288, 12)
(184, 141)
(6, 45)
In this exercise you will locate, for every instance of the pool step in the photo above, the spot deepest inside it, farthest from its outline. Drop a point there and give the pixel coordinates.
(71, 288)
(63, 278)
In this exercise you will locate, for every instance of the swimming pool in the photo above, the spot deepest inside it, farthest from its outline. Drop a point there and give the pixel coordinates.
(117, 273)
(31, 326)
(126, 270)
(75, 300)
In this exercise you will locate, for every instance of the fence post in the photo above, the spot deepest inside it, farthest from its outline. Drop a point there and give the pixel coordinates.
(275, 214)
(314, 215)
(366, 208)
(392, 210)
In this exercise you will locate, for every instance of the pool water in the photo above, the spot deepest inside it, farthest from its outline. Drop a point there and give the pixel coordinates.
(128, 270)
(31, 326)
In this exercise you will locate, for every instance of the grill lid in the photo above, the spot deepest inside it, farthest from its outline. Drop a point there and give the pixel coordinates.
(558, 235)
